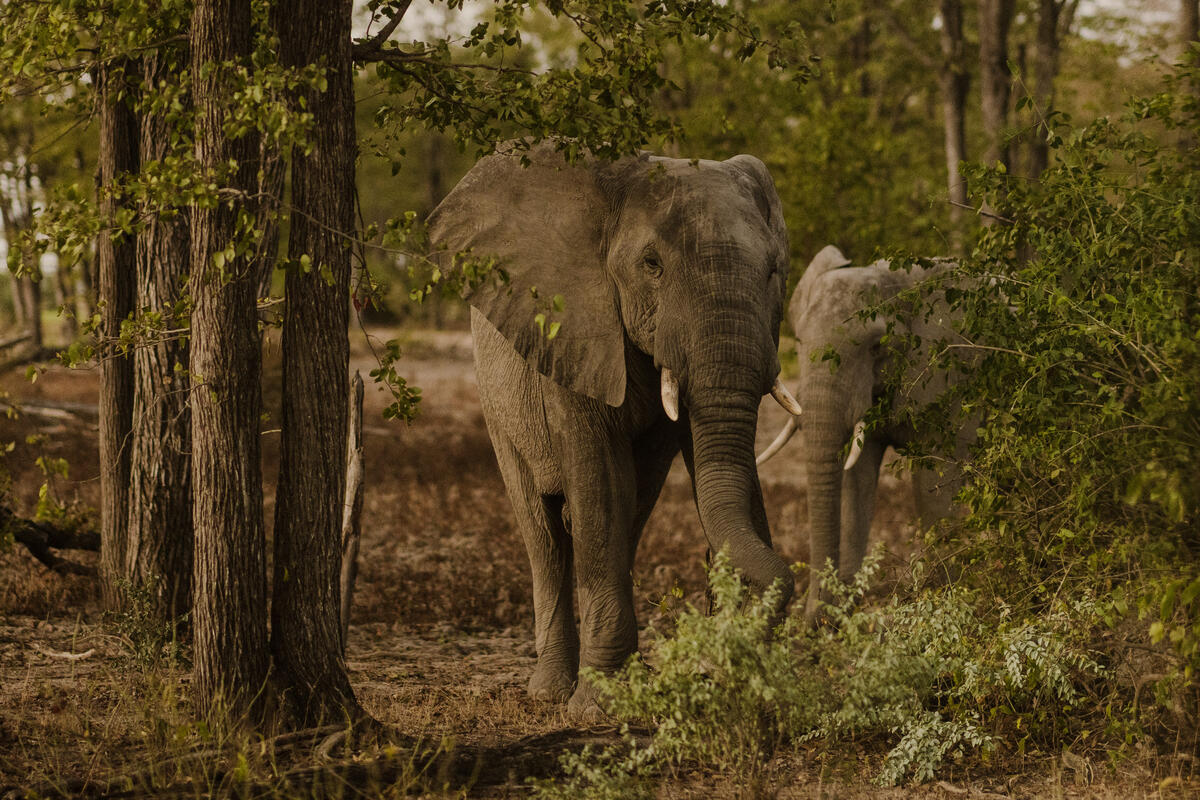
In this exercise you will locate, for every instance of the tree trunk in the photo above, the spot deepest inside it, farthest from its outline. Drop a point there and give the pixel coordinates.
(116, 257)
(1189, 31)
(160, 513)
(1054, 21)
(995, 19)
(1189, 24)
(306, 608)
(954, 82)
(33, 301)
(435, 190)
(229, 611)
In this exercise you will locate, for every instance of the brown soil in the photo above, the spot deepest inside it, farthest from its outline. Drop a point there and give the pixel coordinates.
(441, 644)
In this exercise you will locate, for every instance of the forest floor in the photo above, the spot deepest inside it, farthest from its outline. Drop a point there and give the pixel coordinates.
(441, 642)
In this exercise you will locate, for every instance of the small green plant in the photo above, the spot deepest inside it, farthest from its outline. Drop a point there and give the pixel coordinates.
(152, 641)
(723, 690)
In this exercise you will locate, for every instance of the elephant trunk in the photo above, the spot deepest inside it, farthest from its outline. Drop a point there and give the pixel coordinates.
(728, 494)
(824, 436)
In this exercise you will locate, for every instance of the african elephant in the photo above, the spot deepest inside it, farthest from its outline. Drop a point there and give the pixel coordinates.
(845, 363)
(640, 318)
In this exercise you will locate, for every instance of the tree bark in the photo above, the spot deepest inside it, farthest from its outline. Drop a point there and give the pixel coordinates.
(160, 512)
(954, 81)
(229, 610)
(1189, 23)
(306, 609)
(1189, 31)
(1054, 21)
(995, 19)
(116, 257)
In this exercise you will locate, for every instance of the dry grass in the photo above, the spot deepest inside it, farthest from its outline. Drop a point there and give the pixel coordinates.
(441, 644)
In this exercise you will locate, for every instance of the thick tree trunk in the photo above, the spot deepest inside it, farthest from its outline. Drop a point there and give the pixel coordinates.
(160, 512)
(116, 258)
(954, 82)
(995, 19)
(229, 612)
(306, 611)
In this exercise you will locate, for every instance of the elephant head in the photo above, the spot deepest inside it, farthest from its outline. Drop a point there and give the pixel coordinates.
(845, 367)
(654, 285)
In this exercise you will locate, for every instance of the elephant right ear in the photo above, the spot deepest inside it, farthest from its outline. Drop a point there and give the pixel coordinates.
(829, 258)
(545, 223)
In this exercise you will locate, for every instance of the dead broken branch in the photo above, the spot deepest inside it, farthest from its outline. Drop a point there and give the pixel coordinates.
(46, 651)
(352, 514)
(40, 537)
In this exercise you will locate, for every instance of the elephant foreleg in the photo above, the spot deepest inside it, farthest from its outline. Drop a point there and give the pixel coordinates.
(858, 507)
(540, 520)
(602, 504)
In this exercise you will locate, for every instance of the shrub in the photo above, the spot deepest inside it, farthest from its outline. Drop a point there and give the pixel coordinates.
(1083, 489)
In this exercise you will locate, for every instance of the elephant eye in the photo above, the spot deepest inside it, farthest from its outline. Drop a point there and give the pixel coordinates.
(652, 262)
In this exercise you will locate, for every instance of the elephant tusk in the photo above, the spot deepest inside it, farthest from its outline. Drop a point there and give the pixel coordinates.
(780, 441)
(670, 394)
(784, 398)
(856, 443)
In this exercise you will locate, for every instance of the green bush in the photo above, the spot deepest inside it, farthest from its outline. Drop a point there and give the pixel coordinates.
(923, 674)
(1084, 486)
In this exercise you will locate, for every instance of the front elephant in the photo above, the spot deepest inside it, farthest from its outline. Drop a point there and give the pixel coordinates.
(845, 365)
(640, 318)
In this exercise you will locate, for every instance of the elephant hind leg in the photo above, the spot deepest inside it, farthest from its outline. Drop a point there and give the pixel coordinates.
(540, 519)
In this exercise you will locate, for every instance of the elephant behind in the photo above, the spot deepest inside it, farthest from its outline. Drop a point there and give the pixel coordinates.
(846, 363)
(641, 318)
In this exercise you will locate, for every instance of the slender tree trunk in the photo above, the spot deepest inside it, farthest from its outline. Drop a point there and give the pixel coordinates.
(1189, 23)
(1189, 32)
(305, 613)
(33, 273)
(229, 612)
(435, 190)
(954, 81)
(116, 257)
(995, 19)
(33, 301)
(1054, 21)
(64, 297)
(160, 513)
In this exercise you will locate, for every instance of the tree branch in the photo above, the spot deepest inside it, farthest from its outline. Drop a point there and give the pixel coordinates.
(367, 49)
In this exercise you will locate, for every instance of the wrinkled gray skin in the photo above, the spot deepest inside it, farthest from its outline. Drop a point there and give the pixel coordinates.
(823, 313)
(662, 263)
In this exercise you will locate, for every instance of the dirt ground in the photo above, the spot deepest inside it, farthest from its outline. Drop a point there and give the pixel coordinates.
(441, 643)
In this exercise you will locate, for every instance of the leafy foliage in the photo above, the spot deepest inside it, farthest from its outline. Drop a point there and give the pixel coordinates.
(1090, 380)
(931, 674)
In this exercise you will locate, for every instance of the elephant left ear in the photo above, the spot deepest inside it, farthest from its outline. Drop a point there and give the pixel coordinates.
(545, 222)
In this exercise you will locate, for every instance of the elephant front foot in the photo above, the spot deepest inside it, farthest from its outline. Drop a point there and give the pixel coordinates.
(552, 683)
(584, 705)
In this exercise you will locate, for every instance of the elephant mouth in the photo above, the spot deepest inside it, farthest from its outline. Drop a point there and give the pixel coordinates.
(669, 391)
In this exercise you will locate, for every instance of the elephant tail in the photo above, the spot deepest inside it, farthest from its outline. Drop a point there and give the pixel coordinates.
(784, 435)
